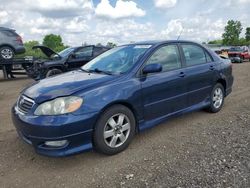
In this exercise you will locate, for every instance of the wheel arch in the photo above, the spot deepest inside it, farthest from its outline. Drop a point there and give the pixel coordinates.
(4, 45)
(223, 83)
(126, 104)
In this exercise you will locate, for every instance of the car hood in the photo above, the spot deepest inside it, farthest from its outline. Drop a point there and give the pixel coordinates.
(65, 85)
(46, 50)
(235, 52)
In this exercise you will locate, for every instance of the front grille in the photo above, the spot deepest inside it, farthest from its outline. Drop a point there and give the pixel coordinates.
(24, 104)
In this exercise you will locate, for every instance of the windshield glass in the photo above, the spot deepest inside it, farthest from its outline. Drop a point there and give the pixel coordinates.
(117, 60)
(66, 52)
(236, 49)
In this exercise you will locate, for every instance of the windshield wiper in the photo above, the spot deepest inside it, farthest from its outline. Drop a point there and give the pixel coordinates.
(84, 70)
(100, 71)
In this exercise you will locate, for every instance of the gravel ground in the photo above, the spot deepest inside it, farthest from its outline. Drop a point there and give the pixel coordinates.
(195, 150)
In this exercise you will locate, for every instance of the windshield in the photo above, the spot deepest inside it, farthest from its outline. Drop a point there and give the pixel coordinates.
(66, 52)
(117, 60)
(236, 49)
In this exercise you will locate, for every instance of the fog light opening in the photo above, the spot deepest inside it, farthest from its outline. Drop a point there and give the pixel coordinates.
(58, 143)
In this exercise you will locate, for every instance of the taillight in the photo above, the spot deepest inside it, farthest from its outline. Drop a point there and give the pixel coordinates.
(19, 39)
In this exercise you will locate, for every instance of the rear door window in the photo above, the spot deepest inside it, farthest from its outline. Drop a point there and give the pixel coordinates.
(98, 51)
(84, 52)
(194, 55)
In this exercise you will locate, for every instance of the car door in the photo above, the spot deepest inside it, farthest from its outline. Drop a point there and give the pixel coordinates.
(80, 57)
(200, 73)
(164, 93)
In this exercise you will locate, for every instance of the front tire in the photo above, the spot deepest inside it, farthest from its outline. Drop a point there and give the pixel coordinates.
(217, 98)
(114, 130)
(6, 53)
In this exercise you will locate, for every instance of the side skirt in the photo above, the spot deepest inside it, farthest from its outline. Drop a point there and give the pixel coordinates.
(144, 125)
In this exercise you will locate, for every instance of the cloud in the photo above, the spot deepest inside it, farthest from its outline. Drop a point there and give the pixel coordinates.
(3, 17)
(196, 28)
(165, 3)
(78, 21)
(124, 31)
(122, 9)
(61, 8)
(238, 3)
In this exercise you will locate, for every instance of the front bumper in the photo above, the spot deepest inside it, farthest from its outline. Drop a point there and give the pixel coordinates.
(36, 130)
(235, 59)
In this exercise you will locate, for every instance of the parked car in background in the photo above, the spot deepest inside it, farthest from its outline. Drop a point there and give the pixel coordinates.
(125, 90)
(66, 60)
(239, 54)
(10, 43)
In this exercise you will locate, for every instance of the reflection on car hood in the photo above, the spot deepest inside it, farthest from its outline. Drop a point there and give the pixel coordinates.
(46, 50)
(64, 85)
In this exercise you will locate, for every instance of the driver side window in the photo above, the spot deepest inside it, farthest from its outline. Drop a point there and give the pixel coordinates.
(168, 56)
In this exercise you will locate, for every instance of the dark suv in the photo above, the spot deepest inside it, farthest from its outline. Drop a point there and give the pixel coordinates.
(10, 43)
(69, 59)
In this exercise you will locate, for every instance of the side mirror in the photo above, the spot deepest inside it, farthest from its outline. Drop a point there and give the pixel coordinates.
(152, 68)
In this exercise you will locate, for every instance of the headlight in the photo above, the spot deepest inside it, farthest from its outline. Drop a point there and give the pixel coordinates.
(62, 105)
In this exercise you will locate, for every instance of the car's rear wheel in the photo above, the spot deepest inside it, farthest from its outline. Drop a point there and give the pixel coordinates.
(53, 72)
(114, 130)
(6, 53)
(217, 98)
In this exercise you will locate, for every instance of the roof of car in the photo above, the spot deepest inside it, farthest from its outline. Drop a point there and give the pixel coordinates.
(154, 42)
(91, 46)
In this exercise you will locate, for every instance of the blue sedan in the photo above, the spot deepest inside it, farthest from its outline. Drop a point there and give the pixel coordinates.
(124, 91)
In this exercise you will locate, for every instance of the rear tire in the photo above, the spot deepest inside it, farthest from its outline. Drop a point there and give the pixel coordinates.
(217, 98)
(114, 130)
(6, 53)
(53, 72)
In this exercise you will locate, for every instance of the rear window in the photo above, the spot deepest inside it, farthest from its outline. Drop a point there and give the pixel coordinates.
(10, 33)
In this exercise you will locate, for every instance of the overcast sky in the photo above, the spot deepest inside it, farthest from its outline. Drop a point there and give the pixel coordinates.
(122, 21)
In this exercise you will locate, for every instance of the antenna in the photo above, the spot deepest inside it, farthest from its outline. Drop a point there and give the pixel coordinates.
(180, 34)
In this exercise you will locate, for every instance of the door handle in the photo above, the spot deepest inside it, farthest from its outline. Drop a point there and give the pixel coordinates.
(211, 67)
(182, 74)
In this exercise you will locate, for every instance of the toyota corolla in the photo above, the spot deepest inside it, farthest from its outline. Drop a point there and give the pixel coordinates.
(124, 91)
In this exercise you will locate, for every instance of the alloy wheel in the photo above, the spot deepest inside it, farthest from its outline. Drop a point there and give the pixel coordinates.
(116, 130)
(218, 98)
(7, 53)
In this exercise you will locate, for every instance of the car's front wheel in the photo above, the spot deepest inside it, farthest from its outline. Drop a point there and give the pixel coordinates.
(114, 130)
(6, 53)
(53, 72)
(217, 98)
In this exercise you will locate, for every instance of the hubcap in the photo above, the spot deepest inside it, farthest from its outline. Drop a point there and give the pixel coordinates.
(218, 98)
(7, 53)
(116, 130)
